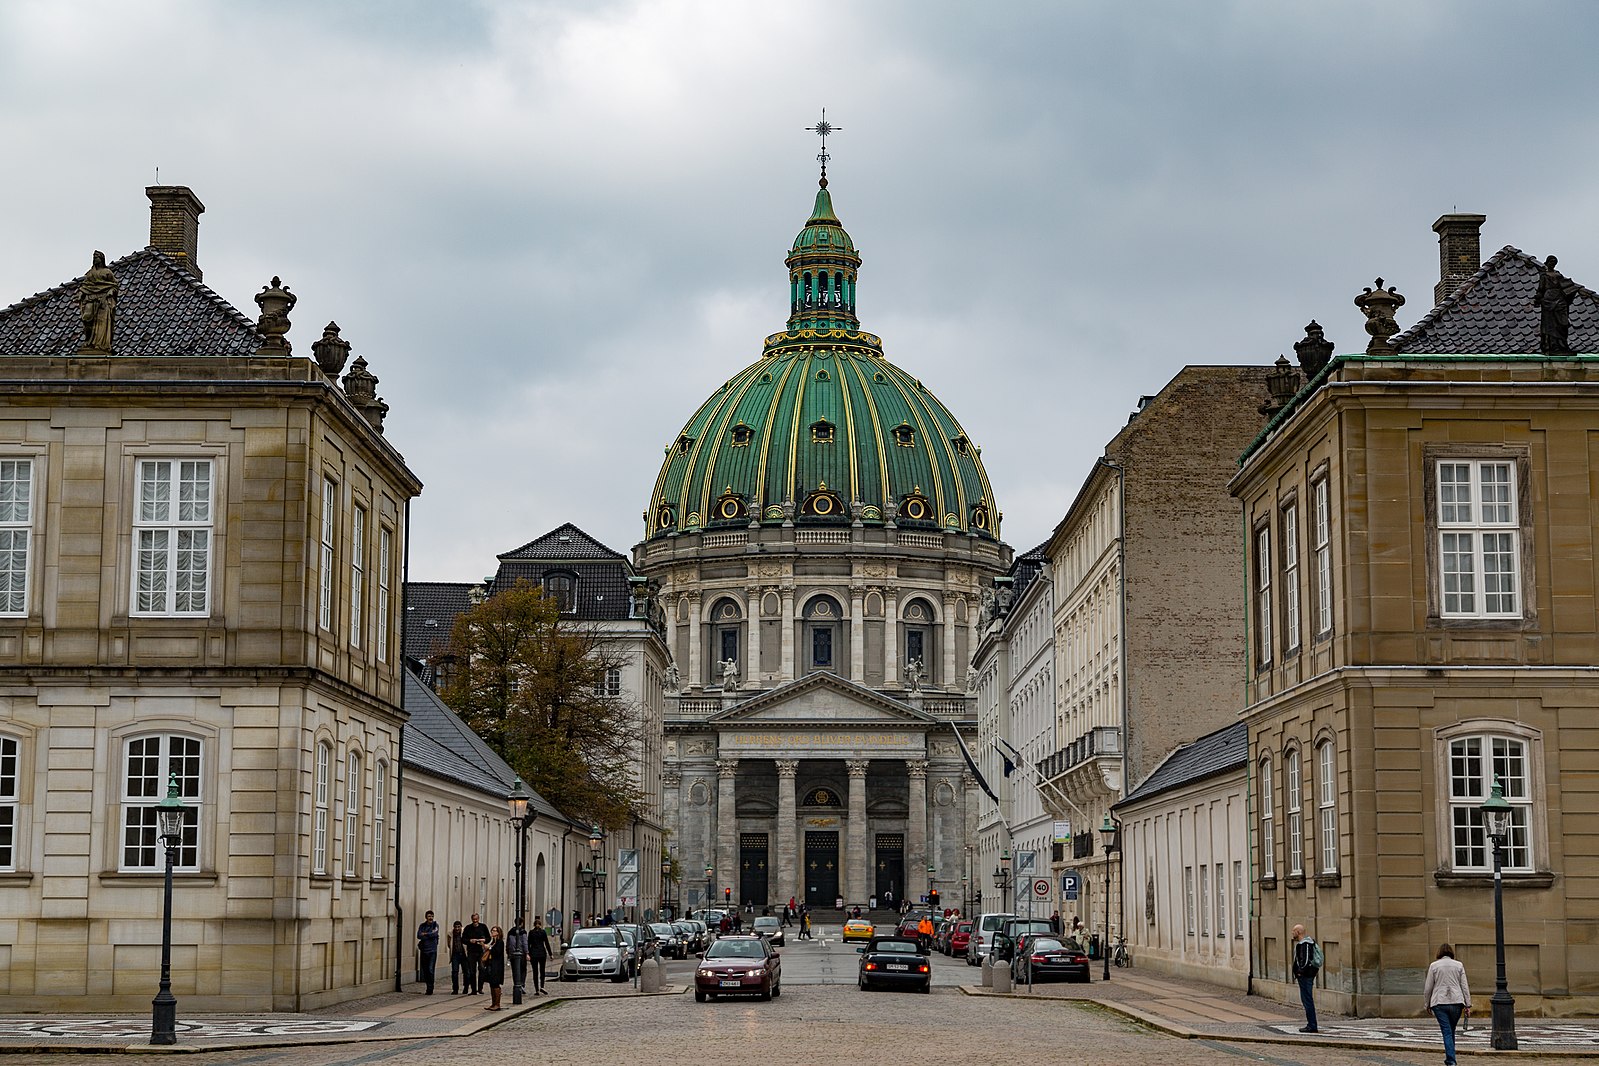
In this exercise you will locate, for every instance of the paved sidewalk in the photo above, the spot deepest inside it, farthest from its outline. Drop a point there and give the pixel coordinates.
(1197, 1010)
(407, 1015)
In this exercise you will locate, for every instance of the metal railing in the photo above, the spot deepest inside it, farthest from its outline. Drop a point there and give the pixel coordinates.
(1101, 740)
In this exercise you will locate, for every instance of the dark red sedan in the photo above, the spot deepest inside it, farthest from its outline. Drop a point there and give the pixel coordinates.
(738, 965)
(960, 939)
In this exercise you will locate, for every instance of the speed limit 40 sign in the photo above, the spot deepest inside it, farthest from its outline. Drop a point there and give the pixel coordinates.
(1041, 888)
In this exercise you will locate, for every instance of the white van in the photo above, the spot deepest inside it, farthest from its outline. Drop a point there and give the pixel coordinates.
(983, 930)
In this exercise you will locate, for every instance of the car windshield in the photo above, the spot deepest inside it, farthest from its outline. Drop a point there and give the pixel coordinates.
(766, 923)
(964, 927)
(1045, 943)
(736, 949)
(898, 947)
(594, 938)
(628, 935)
(662, 928)
(993, 921)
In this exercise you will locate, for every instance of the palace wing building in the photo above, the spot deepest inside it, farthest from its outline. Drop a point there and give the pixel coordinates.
(821, 533)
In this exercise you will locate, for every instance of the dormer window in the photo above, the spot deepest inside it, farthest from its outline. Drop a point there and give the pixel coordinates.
(822, 432)
(684, 443)
(742, 435)
(562, 588)
(962, 445)
(904, 435)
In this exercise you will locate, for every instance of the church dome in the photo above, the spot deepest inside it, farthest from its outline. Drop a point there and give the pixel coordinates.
(822, 429)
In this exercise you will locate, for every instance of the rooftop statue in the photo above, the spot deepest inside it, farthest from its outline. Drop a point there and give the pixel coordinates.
(1553, 298)
(97, 306)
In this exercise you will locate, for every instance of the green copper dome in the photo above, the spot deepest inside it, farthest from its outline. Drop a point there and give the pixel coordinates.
(822, 429)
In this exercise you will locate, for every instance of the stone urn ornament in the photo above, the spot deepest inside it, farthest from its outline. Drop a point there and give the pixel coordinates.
(1379, 305)
(332, 351)
(275, 301)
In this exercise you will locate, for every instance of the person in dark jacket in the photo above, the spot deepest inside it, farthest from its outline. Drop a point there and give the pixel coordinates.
(458, 960)
(427, 950)
(1307, 965)
(476, 935)
(538, 942)
(493, 965)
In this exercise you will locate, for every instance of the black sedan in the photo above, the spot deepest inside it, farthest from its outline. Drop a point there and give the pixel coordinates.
(1042, 957)
(895, 962)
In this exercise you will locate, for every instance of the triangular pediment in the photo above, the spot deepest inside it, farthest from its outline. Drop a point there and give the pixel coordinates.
(822, 698)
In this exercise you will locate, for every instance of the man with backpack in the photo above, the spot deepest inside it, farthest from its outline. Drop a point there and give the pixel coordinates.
(1307, 964)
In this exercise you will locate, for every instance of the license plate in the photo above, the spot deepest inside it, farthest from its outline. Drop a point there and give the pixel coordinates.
(898, 966)
(732, 984)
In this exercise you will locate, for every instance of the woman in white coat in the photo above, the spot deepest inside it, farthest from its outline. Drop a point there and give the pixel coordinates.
(1448, 996)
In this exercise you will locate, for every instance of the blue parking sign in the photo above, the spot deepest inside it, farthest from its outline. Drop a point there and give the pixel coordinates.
(1071, 883)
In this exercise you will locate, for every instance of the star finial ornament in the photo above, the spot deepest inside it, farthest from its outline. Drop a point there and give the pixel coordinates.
(823, 129)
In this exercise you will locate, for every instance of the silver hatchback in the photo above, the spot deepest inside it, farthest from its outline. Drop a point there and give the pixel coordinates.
(595, 952)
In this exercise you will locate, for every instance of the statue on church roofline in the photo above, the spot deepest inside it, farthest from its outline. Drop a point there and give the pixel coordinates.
(1553, 299)
(97, 307)
(729, 674)
(915, 674)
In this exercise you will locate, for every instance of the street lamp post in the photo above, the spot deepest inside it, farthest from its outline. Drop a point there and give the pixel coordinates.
(517, 803)
(1496, 819)
(710, 891)
(1002, 876)
(164, 1008)
(596, 849)
(1108, 832)
(666, 885)
(932, 900)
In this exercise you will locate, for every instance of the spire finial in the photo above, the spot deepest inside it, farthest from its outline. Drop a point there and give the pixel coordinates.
(822, 129)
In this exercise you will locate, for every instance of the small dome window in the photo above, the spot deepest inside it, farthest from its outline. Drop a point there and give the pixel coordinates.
(915, 507)
(821, 375)
(664, 516)
(879, 379)
(980, 516)
(904, 435)
(742, 435)
(730, 505)
(962, 445)
(823, 432)
(824, 503)
(684, 443)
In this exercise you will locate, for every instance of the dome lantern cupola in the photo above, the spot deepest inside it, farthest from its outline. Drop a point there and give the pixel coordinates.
(822, 267)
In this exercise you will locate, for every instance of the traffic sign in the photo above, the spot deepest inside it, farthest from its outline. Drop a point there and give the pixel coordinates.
(1071, 884)
(1041, 887)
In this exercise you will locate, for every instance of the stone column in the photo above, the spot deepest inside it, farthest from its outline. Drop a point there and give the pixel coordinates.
(726, 828)
(890, 635)
(696, 673)
(752, 668)
(948, 678)
(857, 633)
(916, 827)
(788, 882)
(858, 861)
(787, 608)
(672, 803)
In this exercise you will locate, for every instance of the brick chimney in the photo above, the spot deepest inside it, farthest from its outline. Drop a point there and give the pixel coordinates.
(175, 224)
(1459, 252)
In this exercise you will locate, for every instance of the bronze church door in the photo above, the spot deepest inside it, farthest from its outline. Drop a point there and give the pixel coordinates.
(752, 868)
(890, 865)
(821, 869)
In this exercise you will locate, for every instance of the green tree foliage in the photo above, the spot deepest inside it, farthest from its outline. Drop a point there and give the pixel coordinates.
(532, 685)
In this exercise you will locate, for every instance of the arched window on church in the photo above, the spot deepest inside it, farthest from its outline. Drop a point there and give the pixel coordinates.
(822, 625)
(918, 642)
(727, 624)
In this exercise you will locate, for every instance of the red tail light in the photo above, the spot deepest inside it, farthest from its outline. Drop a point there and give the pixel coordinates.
(924, 968)
(871, 966)
(1040, 958)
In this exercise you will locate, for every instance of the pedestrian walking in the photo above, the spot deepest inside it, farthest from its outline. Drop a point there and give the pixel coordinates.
(1447, 995)
(924, 931)
(458, 960)
(493, 965)
(888, 898)
(516, 949)
(805, 926)
(476, 935)
(1054, 923)
(539, 950)
(1307, 964)
(427, 951)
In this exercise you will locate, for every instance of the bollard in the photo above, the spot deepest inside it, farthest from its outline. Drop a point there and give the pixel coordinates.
(652, 976)
(1002, 979)
(988, 974)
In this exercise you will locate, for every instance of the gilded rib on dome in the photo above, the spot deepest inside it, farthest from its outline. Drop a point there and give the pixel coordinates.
(822, 429)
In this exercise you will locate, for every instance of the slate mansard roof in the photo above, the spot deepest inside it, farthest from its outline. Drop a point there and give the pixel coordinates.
(163, 311)
(431, 608)
(1214, 753)
(601, 573)
(1493, 314)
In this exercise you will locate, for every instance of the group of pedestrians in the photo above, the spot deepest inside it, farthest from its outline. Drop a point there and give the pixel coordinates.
(479, 953)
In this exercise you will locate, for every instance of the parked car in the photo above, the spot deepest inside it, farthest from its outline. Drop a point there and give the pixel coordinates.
(598, 951)
(1004, 946)
(859, 929)
(738, 965)
(693, 934)
(960, 938)
(1045, 957)
(895, 962)
(984, 928)
(770, 927)
(673, 945)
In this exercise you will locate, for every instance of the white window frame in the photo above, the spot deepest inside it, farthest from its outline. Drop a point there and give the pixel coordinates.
(609, 684)
(352, 813)
(1290, 556)
(330, 502)
(147, 762)
(16, 535)
(320, 790)
(1238, 898)
(1268, 822)
(1510, 759)
(380, 821)
(1327, 805)
(1204, 899)
(1221, 901)
(1188, 898)
(1263, 593)
(1324, 619)
(385, 546)
(1293, 811)
(357, 572)
(168, 530)
(1479, 538)
(10, 794)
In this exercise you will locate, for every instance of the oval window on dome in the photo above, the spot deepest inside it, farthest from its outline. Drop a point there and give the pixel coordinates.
(821, 375)
(980, 516)
(729, 507)
(823, 503)
(916, 508)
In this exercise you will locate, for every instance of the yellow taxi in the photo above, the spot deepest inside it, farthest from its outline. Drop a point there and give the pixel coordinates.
(859, 929)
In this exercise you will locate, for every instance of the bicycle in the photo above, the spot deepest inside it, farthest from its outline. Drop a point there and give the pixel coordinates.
(1120, 955)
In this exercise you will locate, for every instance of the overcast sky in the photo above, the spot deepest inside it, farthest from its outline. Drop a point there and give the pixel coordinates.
(553, 229)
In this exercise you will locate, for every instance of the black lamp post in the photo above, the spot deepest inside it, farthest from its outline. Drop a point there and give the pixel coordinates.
(1108, 831)
(597, 881)
(1496, 820)
(521, 817)
(1002, 876)
(164, 1008)
(710, 891)
(666, 885)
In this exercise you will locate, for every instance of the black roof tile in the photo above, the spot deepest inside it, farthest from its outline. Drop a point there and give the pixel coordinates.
(1212, 754)
(431, 608)
(1492, 313)
(565, 542)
